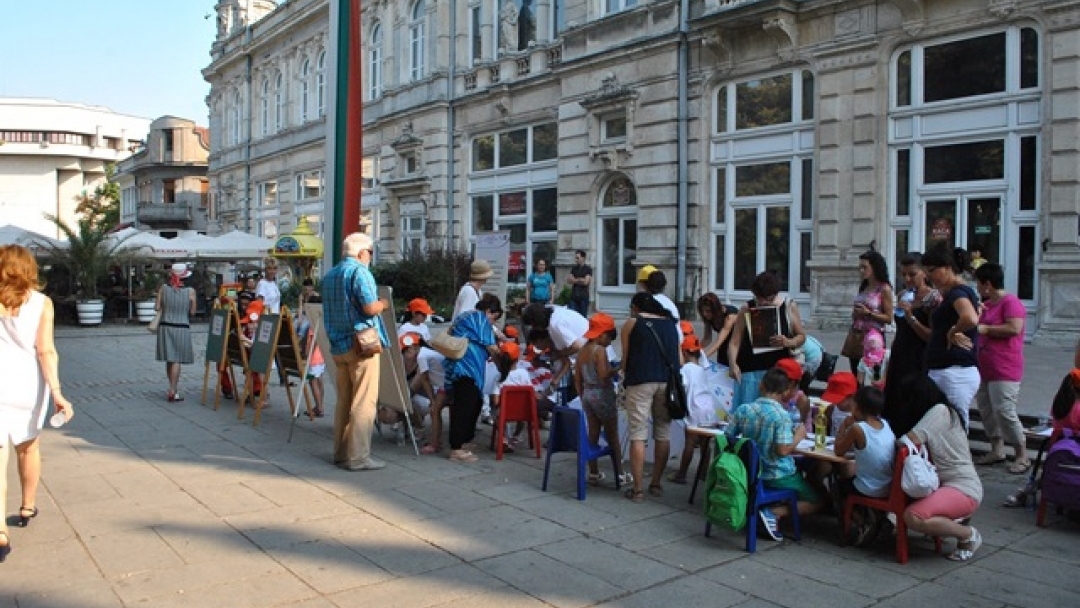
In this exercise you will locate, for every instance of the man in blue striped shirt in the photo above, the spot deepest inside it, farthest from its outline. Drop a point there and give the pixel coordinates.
(351, 303)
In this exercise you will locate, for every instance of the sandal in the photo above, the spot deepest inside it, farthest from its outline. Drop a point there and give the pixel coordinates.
(677, 478)
(1015, 501)
(24, 518)
(966, 549)
(596, 478)
(462, 456)
(656, 490)
(989, 459)
(430, 448)
(1020, 467)
(634, 495)
(5, 549)
(175, 398)
(318, 412)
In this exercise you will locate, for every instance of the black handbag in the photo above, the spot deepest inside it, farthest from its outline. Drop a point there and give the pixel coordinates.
(675, 391)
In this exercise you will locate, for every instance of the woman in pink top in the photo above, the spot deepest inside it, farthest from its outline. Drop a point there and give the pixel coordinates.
(1001, 367)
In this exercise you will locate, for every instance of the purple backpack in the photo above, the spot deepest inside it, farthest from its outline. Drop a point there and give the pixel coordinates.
(1061, 473)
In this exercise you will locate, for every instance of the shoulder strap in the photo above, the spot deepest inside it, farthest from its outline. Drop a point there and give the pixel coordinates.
(648, 325)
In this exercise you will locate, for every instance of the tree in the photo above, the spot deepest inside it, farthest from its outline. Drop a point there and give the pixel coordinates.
(88, 253)
(102, 208)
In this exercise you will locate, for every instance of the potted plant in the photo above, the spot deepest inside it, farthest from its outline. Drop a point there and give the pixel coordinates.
(146, 295)
(87, 255)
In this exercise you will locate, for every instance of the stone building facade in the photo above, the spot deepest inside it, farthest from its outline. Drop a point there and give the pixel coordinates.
(163, 187)
(711, 138)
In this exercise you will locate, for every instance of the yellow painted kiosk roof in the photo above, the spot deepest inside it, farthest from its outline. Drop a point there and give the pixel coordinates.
(300, 243)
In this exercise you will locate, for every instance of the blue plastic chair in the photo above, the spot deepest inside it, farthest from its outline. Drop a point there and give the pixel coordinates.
(760, 496)
(568, 433)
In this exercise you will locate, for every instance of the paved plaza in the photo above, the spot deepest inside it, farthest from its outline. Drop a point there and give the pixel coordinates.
(147, 503)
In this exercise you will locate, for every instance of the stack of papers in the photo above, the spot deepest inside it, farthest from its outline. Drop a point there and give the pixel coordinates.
(807, 444)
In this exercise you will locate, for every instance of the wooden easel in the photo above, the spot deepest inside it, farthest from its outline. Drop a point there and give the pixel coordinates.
(223, 349)
(261, 361)
(291, 362)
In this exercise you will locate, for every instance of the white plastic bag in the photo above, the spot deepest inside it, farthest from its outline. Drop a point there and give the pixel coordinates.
(920, 477)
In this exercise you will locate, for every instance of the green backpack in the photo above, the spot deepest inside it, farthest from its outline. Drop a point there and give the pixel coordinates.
(726, 492)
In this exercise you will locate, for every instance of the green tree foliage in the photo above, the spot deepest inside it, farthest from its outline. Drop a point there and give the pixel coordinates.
(433, 275)
(88, 253)
(102, 207)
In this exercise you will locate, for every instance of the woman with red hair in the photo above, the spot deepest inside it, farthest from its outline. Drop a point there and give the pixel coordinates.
(29, 360)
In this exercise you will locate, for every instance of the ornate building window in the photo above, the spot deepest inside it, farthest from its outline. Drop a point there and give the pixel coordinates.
(279, 103)
(320, 83)
(305, 91)
(417, 48)
(375, 73)
(236, 119)
(264, 107)
(618, 233)
(617, 6)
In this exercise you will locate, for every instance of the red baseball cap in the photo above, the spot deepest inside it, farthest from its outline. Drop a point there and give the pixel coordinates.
(511, 331)
(419, 305)
(511, 349)
(690, 343)
(686, 327)
(791, 369)
(409, 339)
(841, 386)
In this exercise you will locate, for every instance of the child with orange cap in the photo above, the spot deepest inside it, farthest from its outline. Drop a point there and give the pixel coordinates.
(594, 380)
(702, 405)
(419, 310)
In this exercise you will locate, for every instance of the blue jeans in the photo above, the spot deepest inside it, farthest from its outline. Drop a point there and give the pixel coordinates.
(581, 305)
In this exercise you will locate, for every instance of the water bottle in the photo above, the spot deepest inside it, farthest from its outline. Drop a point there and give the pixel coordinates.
(905, 298)
(57, 420)
(821, 426)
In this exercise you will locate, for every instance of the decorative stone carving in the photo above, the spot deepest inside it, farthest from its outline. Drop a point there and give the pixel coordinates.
(720, 46)
(610, 93)
(912, 13)
(508, 26)
(1002, 8)
(784, 31)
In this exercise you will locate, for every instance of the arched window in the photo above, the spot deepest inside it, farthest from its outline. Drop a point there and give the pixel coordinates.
(416, 40)
(235, 118)
(618, 233)
(264, 108)
(320, 83)
(305, 90)
(375, 63)
(279, 103)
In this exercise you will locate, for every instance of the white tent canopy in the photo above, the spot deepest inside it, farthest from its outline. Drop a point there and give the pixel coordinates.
(13, 235)
(149, 245)
(228, 247)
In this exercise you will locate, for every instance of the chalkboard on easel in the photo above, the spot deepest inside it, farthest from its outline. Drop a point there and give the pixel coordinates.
(264, 343)
(290, 358)
(215, 341)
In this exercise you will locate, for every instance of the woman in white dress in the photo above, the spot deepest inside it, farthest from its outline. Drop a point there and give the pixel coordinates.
(29, 360)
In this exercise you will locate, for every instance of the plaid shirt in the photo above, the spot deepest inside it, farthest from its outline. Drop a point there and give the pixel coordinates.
(347, 287)
(766, 422)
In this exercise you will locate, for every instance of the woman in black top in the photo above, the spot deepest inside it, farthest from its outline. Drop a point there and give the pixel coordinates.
(916, 302)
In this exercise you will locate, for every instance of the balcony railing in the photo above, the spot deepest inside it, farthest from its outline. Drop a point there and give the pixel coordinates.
(164, 213)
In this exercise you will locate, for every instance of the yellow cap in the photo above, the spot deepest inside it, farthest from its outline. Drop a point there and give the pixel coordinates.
(643, 274)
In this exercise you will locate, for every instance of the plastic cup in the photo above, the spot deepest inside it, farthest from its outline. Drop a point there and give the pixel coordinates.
(58, 419)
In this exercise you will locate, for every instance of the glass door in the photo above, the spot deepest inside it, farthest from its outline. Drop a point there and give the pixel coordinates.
(973, 223)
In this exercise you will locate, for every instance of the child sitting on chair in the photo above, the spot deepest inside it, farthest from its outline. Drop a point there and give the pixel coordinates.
(874, 444)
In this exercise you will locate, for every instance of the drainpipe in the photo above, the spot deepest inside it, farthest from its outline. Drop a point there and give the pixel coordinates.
(247, 140)
(450, 90)
(683, 152)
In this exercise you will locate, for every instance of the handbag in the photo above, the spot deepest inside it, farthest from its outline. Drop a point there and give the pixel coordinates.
(451, 347)
(368, 343)
(152, 327)
(920, 477)
(853, 348)
(675, 391)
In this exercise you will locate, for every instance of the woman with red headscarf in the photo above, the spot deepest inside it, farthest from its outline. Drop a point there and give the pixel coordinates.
(176, 303)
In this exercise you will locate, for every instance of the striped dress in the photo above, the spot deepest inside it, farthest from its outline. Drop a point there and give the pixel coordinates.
(174, 331)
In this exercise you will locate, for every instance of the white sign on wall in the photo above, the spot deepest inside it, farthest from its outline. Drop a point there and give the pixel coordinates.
(494, 247)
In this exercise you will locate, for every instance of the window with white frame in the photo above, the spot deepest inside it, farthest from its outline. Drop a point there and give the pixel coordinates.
(305, 91)
(958, 172)
(266, 214)
(279, 103)
(320, 83)
(515, 147)
(309, 186)
(235, 126)
(613, 127)
(369, 172)
(762, 209)
(412, 234)
(618, 233)
(529, 214)
(617, 6)
(375, 77)
(558, 17)
(476, 37)
(417, 48)
(264, 108)
(268, 194)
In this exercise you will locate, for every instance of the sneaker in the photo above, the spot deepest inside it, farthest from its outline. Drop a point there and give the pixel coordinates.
(486, 419)
(626, 479)
(368, 464)
(771, 523)
(965, 550)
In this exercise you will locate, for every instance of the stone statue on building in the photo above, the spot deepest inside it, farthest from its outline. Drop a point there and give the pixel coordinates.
(508, 26)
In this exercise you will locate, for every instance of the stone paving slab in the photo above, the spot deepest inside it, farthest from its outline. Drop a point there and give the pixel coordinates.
(146, 503)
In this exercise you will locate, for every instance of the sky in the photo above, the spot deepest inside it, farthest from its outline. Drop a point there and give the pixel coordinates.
(138, 57)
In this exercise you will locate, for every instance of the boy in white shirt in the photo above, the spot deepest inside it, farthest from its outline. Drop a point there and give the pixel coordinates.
(419, 310)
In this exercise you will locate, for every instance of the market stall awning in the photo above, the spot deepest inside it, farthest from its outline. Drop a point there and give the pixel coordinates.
(228, 247)
(13, 235)
(300, 243)
(148, 245)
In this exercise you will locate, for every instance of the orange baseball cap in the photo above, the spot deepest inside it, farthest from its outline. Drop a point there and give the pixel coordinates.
(686, 327)
(511, 331)
(410, 339)
(841, 386)
(691, 343)
(419, 305)
(791, 369)
(511, 349)
(599, 323)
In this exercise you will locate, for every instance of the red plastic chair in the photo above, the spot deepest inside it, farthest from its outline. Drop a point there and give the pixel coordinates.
(896, 502)
(517, 404)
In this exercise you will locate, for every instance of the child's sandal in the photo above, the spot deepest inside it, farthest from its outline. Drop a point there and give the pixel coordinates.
(634, 495)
